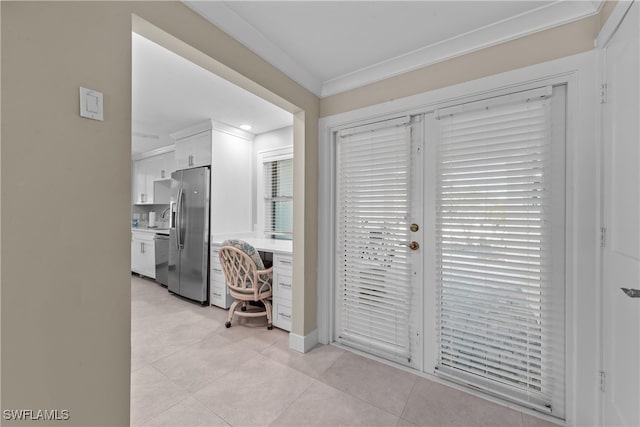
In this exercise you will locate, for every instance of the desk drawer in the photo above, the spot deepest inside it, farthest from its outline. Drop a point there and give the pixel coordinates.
(282, 314)
(218, 292)
(216, 270)
(282, 263)
(215, 261)
(282, 284)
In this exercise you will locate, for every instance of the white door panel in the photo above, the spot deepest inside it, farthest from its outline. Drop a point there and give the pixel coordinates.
(621, 254)
(378, 275)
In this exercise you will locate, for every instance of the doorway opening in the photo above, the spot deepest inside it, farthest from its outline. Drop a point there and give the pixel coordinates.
(185, 117)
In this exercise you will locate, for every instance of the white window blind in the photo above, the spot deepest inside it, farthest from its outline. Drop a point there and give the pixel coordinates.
(278, 210)
(500, 308)
(374, 295)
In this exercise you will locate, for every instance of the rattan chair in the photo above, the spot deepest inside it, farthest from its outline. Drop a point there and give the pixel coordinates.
(246, 282)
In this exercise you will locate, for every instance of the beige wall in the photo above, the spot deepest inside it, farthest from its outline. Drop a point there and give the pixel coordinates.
(65, 185)
(544, 46)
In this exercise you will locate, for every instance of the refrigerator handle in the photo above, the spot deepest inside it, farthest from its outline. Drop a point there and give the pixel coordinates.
(178, 219)
(181, 222)
(172, 217)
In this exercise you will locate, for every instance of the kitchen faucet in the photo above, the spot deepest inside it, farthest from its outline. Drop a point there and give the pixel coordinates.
(164, 212)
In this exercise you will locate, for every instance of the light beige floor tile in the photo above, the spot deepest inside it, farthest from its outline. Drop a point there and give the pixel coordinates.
(187, 413)
(531, 421)
(201, 363)
(151, 394)
(152, 343)
(434, 404)
(323, 405)
(381, 385)
(313, 363)
(404, 423)
(255, 393)
(181, 339)
(258, 337)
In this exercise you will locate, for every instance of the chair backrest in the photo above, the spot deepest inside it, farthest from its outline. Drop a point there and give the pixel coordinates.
(247, 249)
(239, 269)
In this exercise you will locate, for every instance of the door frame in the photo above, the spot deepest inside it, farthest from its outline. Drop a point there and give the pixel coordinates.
(580, 74)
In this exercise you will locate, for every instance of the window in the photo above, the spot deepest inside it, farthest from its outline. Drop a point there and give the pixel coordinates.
(274, 207)
(278, 199)
(500, 246)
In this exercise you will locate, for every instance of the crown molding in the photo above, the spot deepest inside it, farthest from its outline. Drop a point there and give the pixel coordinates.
(539, 19)
(231, 23)
(613, 22)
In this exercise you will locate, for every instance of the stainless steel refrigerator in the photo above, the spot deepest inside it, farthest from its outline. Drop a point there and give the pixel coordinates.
(189, 234)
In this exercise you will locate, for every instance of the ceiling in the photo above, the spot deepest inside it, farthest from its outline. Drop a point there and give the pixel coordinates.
(170, 93)
(326, 46)
(332, 46)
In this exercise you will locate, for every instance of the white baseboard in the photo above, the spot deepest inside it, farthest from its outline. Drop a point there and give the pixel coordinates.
(304, 343)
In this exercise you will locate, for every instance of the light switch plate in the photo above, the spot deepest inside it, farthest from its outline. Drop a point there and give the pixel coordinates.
(91, 104)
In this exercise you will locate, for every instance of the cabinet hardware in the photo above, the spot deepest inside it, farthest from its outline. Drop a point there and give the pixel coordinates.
(285, 261)
(414, 227)
(190, 159)
(162, 174)
(288, 316)
(285, 285)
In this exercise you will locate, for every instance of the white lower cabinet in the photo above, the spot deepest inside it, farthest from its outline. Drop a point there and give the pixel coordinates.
(282, 288)
(218, 291)
(143, 255)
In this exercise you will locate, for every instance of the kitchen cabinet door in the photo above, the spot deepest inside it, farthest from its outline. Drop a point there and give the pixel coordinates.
(166, 165)
(146, 172)
(143, 259)
(139, 192)
(193, 151)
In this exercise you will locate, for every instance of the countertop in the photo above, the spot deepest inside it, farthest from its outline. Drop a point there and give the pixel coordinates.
(151, 230)
(261, 244)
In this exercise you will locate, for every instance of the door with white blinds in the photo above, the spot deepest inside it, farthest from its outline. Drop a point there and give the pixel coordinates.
(378, 186)
(499, 246)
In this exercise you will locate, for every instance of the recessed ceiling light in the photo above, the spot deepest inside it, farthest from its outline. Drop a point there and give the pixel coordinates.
(245, 127)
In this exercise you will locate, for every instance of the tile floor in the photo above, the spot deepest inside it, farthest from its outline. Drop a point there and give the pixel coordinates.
(189, 370)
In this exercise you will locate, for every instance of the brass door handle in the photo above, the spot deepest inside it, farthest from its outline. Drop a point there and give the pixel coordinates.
(414, 246)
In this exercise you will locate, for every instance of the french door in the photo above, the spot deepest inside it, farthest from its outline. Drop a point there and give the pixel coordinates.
(499, 246)
(449, 244)
(378, 239)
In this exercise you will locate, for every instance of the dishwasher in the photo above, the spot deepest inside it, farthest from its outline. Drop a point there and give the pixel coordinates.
(162, 259)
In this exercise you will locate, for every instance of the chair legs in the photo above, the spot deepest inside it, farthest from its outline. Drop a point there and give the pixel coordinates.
(268, 308)
(245, 313)
(232, 309)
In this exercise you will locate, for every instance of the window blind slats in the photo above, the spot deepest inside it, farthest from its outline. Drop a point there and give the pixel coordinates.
(278, 212)
(374, 275)
(494, 213)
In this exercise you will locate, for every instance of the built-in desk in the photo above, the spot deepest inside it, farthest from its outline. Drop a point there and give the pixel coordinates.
(282, 254)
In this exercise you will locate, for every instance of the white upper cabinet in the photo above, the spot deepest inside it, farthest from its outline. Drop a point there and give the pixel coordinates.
(193, 146)
(151, 174)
